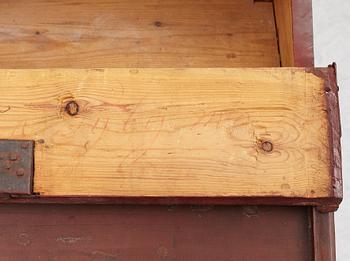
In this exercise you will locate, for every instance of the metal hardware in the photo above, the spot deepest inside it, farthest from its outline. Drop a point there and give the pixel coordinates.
(16, 166)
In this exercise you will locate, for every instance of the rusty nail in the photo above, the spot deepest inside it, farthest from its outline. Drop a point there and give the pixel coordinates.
(25, 145)
(13, 157)
(7, 164)
(250, 211)
(267, 146)
(72, 108)
(41, 141)
(20, 172)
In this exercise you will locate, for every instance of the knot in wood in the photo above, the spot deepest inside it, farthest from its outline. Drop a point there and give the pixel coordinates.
(267, 146)
(158, 23)
(72, 108)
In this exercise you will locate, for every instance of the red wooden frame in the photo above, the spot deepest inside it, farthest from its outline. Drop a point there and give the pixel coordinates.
(322, 223)
(303, 33)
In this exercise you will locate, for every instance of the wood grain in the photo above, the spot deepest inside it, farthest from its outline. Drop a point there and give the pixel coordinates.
(284, 23)
(171, 132)
(110, 33)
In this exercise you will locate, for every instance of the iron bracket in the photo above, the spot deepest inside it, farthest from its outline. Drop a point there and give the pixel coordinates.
(16, 167)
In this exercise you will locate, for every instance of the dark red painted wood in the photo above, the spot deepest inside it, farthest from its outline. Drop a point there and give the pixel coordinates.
(147, 233)
(303, 33)
(327, 204)
(323, 236)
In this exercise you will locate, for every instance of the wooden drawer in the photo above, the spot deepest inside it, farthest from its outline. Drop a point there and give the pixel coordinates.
(166, 131)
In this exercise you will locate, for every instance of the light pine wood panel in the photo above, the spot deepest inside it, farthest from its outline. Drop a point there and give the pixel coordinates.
(284, 23)
(171, 132)
(123, 33)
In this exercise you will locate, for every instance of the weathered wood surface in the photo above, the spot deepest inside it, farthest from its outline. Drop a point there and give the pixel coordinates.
(172, 132)
(123, 33)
